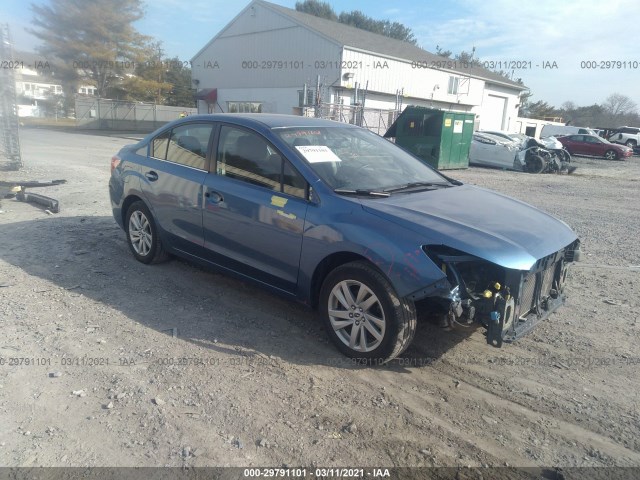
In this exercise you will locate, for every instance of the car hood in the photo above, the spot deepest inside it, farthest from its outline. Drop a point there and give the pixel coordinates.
(486, 224)
(552, 143)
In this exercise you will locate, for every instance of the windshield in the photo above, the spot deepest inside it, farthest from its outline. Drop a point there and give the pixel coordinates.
(356, 159)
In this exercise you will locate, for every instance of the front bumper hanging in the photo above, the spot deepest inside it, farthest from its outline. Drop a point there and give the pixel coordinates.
(19, 191)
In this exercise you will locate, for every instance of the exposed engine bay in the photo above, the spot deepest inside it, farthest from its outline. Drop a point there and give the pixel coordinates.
(507, 302)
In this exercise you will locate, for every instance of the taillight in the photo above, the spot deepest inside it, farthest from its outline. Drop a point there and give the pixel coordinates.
(115, 161)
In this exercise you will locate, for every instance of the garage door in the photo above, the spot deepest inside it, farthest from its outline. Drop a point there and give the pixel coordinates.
(493, 111)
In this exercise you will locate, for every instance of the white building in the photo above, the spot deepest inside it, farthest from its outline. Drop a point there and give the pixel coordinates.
(262, 60)
(36, 84)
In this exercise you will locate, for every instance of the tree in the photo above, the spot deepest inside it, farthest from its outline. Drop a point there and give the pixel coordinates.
(396, 30)
(179, 76)
(443, 53)
(468, 58)
(317, 8)
(147, 82)
(539, 109)
(617, 104)
(358, 19)
(95, 41)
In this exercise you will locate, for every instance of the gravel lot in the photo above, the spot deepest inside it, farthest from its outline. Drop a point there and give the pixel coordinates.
(108, 362)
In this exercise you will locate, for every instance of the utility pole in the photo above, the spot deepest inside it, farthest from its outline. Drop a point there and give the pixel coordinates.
(10, 157)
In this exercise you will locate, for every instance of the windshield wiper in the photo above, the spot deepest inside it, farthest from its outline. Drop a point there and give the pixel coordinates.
(409, 186)
(361, 191)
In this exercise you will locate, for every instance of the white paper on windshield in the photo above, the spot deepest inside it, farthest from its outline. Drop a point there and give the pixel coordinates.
(318, 153)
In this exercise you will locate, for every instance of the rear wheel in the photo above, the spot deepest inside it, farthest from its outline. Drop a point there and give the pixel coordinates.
(363, 314)
(630, 143)
(142, 234)
(611, 155)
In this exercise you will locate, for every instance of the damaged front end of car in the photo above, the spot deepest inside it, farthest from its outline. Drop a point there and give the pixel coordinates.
(508, 302)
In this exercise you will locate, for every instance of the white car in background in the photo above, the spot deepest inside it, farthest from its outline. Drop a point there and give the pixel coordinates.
(490, 150)
(518, 138)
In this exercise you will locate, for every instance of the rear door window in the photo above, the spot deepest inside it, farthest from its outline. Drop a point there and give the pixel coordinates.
(185, 145)
(188, 145)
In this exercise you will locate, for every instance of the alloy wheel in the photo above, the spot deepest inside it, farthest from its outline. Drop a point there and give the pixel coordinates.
(140, 233)
(356, 316)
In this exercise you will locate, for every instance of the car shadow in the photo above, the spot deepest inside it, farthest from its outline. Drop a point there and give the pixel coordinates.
(89, 256)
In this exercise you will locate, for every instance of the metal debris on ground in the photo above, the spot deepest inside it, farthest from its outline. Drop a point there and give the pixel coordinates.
(18, 189)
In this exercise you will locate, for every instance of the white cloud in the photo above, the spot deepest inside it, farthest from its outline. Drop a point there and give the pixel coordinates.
(565, 32)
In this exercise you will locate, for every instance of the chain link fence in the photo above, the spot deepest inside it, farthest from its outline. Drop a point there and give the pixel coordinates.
(105, 114)
(375, 119)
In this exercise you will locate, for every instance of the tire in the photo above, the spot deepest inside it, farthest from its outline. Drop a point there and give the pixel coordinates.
(630, 143)
(566, 156)
(356, 295)
(535, 164)
(611, 155)
(142, 235)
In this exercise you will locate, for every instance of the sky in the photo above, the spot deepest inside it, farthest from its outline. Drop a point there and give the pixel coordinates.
(589, 47)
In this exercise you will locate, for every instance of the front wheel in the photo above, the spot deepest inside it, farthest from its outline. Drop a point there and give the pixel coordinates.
(535, 164)
(142, 234)
(611, 155)
(564, 156)
(363, 314)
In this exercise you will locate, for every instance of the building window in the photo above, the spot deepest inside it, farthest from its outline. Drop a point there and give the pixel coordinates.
(453, 85)
(244, 107)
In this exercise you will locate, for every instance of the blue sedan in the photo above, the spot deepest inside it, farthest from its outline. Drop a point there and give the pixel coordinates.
(344, 221)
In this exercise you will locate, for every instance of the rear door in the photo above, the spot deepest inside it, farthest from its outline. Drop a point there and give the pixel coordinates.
(255, 205)
(576, 145)
(172, 182)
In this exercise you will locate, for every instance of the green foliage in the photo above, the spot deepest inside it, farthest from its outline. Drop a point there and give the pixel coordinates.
(443, 53)
(617, 110)
(93, 39)
(317, 8)
(539, 109)
(357, 19)
(181, 93)
(94, 42)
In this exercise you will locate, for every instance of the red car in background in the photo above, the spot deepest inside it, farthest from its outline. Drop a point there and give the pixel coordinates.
(594, 146)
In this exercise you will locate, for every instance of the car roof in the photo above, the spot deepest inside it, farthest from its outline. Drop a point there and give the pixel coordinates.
(495, 132)
(490, 136)
(269, 120)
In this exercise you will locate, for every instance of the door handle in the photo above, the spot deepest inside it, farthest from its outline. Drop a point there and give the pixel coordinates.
(214, 197)
(151, 176)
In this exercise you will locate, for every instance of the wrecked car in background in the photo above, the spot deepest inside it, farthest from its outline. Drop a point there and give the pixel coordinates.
(344, 221)
(527, 155)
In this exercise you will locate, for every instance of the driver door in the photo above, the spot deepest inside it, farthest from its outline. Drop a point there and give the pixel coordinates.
(254, 209)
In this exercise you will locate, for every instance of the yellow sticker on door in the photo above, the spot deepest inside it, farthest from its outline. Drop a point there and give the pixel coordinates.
(278, 201)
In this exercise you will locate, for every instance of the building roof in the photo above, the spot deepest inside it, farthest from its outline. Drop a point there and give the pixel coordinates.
(349, 36)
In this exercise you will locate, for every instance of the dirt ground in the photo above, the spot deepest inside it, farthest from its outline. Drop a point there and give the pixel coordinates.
(108, 362)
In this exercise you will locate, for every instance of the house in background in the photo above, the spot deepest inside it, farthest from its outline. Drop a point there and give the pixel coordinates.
(273, 59)
(38, 91)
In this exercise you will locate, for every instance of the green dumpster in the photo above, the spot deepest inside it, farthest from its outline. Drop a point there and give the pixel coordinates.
(442, 139)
